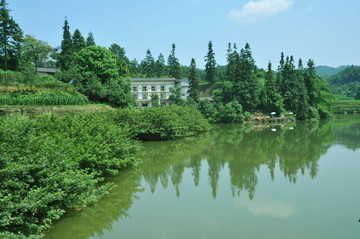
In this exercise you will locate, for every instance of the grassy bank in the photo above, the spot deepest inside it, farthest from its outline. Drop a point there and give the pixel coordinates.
(51, 164)
(59, 109)
(346, 106)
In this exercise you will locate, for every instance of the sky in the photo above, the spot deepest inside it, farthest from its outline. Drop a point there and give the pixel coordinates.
(326, 31)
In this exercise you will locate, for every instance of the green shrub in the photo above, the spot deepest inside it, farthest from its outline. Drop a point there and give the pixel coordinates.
(43, 99)
(51, 164)
(162, 122)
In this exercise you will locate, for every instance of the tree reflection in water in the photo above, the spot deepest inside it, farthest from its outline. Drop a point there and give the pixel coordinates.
(243, 149)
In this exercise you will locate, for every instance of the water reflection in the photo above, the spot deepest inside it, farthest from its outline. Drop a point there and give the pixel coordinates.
(241, 149)
(94, 220)
(289, 152)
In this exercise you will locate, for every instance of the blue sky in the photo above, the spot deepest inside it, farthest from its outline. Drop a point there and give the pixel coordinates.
(324, 30)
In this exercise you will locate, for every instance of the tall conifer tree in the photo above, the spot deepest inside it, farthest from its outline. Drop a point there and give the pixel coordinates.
(160, 67)
(274, 101)
(193, 82)
(174, 65)
(66, 56)
(210, 66)
(78, 41)
(90, 41)
(310, 83)
(249, 88)
(149, 65)
(230, 68)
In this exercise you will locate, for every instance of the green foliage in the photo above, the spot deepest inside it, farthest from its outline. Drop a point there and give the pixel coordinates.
(160, 67)
(161, 122)
(176, 96)
(154, 100)
(100, 79)
(231, 113)
(346, 81)
(327, 71)
(43, 98)
(90, 41)
(78, 41)
(10, 40)
(206, 108)
(193, 82)
(52, 164)
(148, 65)
(174, 65)
(34, 49)
(210, 66)
(66, 56)
(121, 59)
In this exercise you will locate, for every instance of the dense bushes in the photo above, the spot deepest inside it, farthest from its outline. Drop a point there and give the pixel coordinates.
(232, 112)
(162, 122)
(51, 164)
(43, 98)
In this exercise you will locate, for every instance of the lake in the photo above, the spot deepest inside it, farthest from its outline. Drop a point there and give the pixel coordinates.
(297, 180)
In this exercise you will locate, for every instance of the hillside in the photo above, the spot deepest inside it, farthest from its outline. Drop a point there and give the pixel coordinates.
(346, 81)
(328, 71)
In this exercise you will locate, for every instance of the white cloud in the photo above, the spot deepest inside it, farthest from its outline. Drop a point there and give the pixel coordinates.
(253, 11)
(267, 207)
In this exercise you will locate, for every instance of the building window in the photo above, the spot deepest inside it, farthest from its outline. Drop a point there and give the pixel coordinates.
(135, 88)
(163, 103)
(162, 96)
(153, 88)
(144, 96)
(144, 105)
(162, 88)
(170, 88)
(144, 88)
(136, 96)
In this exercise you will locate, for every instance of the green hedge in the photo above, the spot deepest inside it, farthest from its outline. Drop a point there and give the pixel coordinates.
(43, 99)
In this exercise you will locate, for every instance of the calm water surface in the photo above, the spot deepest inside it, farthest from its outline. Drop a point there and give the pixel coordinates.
(279, 181)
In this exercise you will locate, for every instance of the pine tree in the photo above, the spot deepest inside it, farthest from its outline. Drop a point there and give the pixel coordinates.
(210, 66)
(230, 68)
(193, 82)
(90, 41)
(78, 41)
(66, 56)
(249, 88)
(274, 101)
(310, 83)
(121, 60)
(160, 67)
(134, 68)
(280, 72)
(174, 65)
(149, 65)
(10, 39)
(119, 52)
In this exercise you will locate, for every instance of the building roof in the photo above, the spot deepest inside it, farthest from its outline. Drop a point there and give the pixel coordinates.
(151, 79)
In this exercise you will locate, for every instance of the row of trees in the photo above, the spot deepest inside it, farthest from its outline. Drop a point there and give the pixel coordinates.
(100, 73)
(298, 90)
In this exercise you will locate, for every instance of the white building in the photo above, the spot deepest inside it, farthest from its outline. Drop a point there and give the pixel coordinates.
(143, 88)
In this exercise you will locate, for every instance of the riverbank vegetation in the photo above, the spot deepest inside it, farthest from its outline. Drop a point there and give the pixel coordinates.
(51, 164)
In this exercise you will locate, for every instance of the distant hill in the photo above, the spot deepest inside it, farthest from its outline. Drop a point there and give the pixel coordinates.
(327, 71)
(346, 81)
